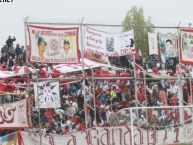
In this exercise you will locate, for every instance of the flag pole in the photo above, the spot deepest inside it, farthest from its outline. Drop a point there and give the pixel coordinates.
(27, 64)
(180, 90)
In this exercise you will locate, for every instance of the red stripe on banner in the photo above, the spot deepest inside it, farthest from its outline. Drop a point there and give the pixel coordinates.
(183, 61)
(187, 30)
(53, 28)
(19, 138)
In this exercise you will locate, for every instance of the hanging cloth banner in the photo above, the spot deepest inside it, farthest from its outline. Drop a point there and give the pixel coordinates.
(108, 44)
(48, 94)
(153, 44)
(186, 51)
(53, 45)
(14, 115)
(118, 135)
(168, 46)
(10, 139)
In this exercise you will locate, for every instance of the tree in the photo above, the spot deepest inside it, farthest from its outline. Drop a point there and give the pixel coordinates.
(135, 20)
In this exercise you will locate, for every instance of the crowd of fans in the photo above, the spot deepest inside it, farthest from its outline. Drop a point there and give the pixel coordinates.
(11, 56)
(105, 98)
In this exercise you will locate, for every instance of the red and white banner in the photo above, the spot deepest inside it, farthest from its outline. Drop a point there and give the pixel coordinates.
(48, 94)
(120, 135)
(186, 51)
(153, 44)
(109, 44)
(53, 45)
(88, 64)
(14, 115)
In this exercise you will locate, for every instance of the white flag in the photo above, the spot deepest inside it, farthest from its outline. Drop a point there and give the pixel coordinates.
(48, 94)
(153, 46)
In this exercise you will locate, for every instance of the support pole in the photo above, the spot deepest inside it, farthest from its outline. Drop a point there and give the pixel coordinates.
(190, 87)
(27, 63)
(84, 76)
(132, 127)
(134, 66)
(180, 85)
(93, 83)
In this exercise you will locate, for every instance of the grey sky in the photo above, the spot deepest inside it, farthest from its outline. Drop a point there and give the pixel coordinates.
(162, 12)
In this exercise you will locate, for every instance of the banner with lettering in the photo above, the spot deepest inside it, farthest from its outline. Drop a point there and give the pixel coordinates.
(153, 44)
(109, 44)
(48, 94)
(186, 51)
(53, 45)
(114, 135)
(168, 46)
(14, 115)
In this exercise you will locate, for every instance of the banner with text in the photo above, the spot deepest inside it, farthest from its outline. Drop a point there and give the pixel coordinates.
(186, 50)
(153, 44)
(14, 115)
(109, 44)
(48, 94)
(53, 45)
(120, 135)
(168, 46)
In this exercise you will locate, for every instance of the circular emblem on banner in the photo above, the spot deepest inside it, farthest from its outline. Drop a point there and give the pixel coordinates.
(54, 44)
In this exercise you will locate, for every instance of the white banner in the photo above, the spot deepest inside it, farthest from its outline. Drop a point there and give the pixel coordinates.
(186, 46)
(14, 115)
(53, 45)
(109, 44)
(48, 94)
(153, 44)
(114, 135)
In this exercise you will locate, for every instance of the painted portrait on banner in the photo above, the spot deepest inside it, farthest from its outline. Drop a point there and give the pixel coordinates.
(168, 46)
(110, 44)
(48, 94)
(53, 45)
(187, 46)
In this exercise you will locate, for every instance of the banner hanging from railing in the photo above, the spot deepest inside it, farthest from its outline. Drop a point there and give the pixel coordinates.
(14, 115)
(119, 135)
(48, 94)
(168, 46)
(153, 45)
(53, 45)
(108, 44)
(10, 139)
(186, 51)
